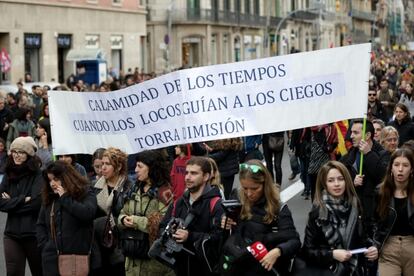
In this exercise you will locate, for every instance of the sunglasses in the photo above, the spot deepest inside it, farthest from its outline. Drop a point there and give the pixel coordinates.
(371, 94)
(252, 168)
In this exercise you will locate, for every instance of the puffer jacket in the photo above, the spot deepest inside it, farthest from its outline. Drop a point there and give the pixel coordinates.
(140, 202)
(227, 162)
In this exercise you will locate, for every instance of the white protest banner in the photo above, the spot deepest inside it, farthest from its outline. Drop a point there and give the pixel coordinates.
(216, 102)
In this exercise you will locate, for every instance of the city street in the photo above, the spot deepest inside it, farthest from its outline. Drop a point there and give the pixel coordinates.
(298, 206)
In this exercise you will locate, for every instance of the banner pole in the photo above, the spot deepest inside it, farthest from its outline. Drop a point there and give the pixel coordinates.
(361, 160)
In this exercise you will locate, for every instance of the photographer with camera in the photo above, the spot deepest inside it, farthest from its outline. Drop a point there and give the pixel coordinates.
(192, 223)
(263, 238)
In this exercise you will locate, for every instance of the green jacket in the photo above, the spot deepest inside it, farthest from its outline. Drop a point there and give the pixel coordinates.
(135, 206)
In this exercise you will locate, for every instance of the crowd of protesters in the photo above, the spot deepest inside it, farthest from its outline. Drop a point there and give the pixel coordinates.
(175, 211)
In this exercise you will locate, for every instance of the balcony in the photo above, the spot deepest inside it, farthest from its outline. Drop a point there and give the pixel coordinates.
(359, 36)
(224, 17)
(362, 15)
(305, 15)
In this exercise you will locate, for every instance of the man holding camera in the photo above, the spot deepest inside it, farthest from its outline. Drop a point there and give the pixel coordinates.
(200, 213)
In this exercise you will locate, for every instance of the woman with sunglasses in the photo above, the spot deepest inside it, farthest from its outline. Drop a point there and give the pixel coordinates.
(395, 216)
(335, 226)
(263, 218)
(20, 198)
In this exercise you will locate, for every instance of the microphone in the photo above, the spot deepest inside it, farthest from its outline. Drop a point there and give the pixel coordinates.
(258, 250)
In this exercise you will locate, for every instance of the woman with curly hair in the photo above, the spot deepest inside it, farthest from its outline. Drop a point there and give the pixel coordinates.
(111, 192)
(140, 217)
(226, 154)
(65, 222)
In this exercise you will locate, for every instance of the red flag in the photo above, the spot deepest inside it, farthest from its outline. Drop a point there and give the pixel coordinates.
(5, 61)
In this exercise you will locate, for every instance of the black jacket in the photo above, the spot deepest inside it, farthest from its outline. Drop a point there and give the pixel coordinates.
(21, 215)
(280, 233)
(205, 225)
(74, 227)
(227, 162)
(383, 227)
(405, 130)
(316, 249)
(374, 167)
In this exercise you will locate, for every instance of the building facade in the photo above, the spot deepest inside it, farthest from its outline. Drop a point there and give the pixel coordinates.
(39, 35)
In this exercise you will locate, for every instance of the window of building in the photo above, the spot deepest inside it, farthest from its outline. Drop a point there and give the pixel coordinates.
(213, 49)
(256, 7)
(117, 2)
(246, 6)
(226, 49)
(226, 5)
(32, 46)
(238, 6)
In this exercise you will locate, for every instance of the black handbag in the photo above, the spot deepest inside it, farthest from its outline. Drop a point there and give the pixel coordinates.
(276, 143)
(133, 242)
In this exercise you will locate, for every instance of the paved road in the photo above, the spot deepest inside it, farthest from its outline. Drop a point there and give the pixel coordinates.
(297, 205)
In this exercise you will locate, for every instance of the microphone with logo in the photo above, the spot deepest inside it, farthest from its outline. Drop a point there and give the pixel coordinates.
(258, 250)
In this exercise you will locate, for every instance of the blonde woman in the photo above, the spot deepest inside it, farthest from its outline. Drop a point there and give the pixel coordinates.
(111, 193)
(389, 139)
(263, 218)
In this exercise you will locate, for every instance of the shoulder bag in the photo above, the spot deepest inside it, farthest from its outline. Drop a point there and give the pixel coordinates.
(70, 264)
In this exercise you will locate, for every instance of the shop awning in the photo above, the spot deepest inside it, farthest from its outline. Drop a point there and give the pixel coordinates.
(85, 54)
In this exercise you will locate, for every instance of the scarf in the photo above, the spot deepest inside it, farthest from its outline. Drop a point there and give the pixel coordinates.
(104, 198)
(334, 226)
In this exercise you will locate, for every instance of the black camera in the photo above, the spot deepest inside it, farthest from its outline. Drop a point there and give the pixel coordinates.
(232, 208)
(165, 248)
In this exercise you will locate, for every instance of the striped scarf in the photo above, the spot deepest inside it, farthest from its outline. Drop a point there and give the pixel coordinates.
(334, 228)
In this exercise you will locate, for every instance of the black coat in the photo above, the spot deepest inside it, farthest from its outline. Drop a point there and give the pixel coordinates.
(280, 233)
(227, 162)
(21, 215)
(383, 227)
(205, 225)
(319, 253)
(373, 169)
(405, 130)
(74, 228)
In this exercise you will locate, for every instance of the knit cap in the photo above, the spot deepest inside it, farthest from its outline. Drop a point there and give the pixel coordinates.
(26, 144)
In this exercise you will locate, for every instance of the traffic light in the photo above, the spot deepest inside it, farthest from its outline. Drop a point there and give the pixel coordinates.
(338, 5)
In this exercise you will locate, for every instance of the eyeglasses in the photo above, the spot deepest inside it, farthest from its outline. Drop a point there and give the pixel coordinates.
(17, 152)
(372, 94)
(253, 168)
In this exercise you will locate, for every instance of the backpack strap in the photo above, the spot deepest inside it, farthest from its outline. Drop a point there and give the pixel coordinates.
(213, 203)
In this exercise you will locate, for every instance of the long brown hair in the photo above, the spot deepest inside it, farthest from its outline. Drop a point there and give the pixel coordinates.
(270, 192)
(387, 187)
(75, 184)
(349, 193)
